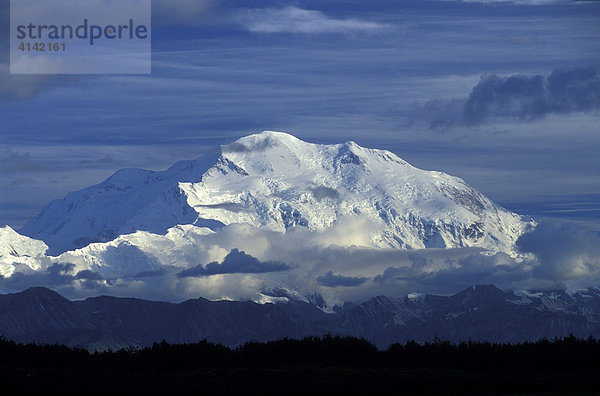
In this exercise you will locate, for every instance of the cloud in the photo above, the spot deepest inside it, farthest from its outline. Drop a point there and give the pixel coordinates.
(43, 161)
(531, 97)
(236, 262)
(574, 90)
(56, 275)
(254, 145)
(87, 274)
(61, 277)
(519, 96)
(126, 260)
(15, 162)
(301, 263)
(323, 192)
(335, 280)
(566, 251)
(297, 20)
(455, 272)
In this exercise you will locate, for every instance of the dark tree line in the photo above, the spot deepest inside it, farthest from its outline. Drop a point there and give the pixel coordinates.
(564, 354)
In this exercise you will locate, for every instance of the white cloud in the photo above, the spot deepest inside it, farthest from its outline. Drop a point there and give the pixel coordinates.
(567, 252)
(302, 261)
(297, 20)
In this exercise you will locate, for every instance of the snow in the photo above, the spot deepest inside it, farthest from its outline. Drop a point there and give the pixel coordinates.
(416, 296)
(138, 222)
(572, 292)
(17, 251)
(140, 253)
(525, 293)
(277, 182)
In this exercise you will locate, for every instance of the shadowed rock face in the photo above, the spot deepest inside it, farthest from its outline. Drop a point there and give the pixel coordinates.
(483, 313)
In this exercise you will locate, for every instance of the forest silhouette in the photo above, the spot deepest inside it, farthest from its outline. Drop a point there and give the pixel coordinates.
(330, 363)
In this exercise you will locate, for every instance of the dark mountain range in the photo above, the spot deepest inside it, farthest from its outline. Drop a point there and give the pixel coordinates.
(479, 313)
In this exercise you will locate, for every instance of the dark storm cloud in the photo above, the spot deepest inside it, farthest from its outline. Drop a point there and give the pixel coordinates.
(236, 262)
(522, 97)
(531, 97)
(335, 280)
(88, 274)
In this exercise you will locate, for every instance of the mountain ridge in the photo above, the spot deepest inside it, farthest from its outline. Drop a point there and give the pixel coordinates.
(478, 313)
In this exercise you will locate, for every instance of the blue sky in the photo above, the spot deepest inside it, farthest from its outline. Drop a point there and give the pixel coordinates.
(447, 85)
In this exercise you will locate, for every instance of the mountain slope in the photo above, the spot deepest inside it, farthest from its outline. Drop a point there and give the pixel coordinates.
(102, 212)
(277, 182)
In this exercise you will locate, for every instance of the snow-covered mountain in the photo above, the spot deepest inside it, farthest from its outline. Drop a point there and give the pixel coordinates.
(277, 182)
(19, 252)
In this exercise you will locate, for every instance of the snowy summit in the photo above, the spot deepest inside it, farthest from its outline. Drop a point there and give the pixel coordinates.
(277, 182)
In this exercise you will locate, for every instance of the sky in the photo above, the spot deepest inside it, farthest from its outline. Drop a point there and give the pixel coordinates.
(504, 94)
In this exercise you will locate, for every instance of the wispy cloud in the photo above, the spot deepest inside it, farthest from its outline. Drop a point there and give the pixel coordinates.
(13, 162)
(297, 20)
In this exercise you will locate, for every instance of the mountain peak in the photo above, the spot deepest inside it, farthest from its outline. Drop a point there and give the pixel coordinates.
(487, 292)
(38, 293)
(261, 142)
(275, 181)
